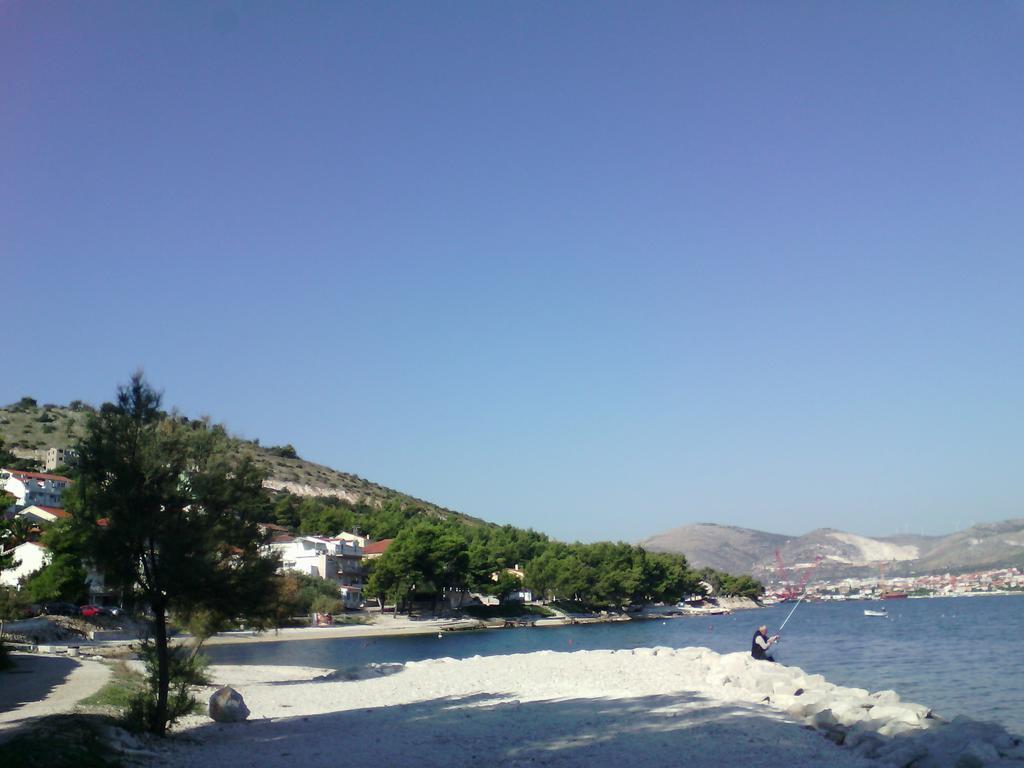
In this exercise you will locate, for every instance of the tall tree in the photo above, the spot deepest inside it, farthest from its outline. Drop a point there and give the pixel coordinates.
(426, 558)
(168, 514)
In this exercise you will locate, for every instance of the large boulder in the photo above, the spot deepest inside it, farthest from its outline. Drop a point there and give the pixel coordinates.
(228, 706)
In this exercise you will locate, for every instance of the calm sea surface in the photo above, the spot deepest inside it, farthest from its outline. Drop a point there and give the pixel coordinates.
(956, 655)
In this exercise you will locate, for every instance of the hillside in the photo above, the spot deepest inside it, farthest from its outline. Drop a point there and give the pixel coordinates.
(29, 430)
(742, 550)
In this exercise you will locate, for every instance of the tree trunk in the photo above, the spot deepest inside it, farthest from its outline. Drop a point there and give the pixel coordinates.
(159, 724)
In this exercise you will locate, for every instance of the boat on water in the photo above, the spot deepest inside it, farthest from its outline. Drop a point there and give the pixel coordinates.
(894, 595)
(881, 614)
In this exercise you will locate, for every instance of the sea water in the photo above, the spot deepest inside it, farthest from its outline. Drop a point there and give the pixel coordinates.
(956, 655)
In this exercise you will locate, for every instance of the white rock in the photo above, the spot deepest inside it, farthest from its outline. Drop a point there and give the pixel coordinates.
(895, 728)
(825, 719)
(885, 697)
(911, 714)
(848, 712)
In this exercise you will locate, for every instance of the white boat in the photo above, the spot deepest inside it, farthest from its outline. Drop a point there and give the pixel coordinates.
(882, 613)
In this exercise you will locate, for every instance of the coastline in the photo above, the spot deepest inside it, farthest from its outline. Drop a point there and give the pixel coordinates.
(397, 626)
(593, 709)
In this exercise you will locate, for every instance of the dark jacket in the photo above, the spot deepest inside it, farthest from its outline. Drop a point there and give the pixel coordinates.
(756, 650)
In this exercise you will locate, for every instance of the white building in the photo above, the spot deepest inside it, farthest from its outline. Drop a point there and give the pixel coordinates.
(32, 556)
(29, 558)
(333, 559)
(30, 488)
(60, 457)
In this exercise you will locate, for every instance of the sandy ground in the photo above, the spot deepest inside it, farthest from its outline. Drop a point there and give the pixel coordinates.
(382, 626)
(590, 708)
(46, 685)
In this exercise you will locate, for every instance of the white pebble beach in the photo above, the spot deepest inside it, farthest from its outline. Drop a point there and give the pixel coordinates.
(593, 709)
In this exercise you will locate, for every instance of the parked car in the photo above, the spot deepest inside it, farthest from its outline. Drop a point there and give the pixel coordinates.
(60, 609)
(90, 611)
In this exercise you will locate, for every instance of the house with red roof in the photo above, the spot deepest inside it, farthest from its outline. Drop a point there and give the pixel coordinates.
(42, 515)
(33, 488)
(337, 559)
(375, 549)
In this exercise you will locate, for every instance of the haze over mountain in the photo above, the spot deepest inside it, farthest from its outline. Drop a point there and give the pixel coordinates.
(743, 550)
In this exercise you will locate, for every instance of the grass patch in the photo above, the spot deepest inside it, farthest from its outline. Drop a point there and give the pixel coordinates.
(117, 694)
(512, 610)
(65, 741)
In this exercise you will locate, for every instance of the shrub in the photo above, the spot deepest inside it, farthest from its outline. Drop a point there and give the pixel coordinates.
(284, 451)
(325, 604)
(185, 671)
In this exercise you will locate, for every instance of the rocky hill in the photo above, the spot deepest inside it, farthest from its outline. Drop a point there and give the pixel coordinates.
(742, 550)
(29, 430)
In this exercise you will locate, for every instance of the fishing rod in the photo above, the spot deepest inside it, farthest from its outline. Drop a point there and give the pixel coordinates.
(792, 612)
(803, 594)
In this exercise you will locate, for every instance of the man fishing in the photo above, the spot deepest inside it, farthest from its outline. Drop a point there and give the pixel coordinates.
(760, 644)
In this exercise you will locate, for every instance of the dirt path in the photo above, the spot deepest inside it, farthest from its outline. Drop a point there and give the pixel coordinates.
(45, 685)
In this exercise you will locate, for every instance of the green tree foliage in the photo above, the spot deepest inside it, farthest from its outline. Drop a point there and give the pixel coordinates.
(184, 670)
(727, 585)
(427, 558)
(504, 585)
(608, 574)
(180, 511)
(389, 520)
(324, 516)
(298, 593)
(64, 577)
(284, 451)
(9, 535)
(9, 461)
(6, 457)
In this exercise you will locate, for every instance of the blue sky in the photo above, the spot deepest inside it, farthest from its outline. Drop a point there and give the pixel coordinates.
(601, 269)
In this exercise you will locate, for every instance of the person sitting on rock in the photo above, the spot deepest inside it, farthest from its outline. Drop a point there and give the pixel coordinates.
(761, 643)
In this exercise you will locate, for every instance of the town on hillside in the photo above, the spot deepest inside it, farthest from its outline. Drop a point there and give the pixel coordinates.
(37, 504)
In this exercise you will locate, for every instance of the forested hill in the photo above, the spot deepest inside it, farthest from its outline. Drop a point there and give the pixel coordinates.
(29, 429)
(435, 548)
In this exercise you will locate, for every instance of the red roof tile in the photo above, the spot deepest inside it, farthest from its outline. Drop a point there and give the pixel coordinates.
(38, 475)
(55, 511)
(377, 547)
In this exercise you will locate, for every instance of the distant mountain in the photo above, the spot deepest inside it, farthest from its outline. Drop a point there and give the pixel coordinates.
(742, 550)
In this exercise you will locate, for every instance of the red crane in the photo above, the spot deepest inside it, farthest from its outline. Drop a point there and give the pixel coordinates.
(790, 592)
(785, 592)
(807, 574)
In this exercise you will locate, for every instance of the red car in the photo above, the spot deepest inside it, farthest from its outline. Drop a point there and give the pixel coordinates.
(90, 611)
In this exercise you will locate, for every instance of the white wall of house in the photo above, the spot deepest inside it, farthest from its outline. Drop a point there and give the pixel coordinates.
(59, 457)
(336, 559)
(30, 488)
(30, 557)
